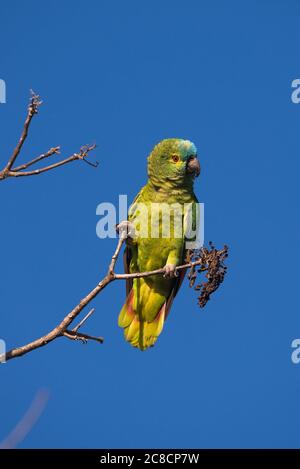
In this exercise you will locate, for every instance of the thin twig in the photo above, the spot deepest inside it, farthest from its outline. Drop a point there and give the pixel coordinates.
(35, 172)
(76, 328)
(34, 104)
(52, 151)
(77, 156)
(81, 336)
(115, 256)
(155, 272)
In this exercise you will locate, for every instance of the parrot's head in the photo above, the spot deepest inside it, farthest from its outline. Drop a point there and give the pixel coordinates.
(174, 161)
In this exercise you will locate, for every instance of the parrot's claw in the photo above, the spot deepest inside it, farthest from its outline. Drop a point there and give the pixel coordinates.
(170, 271)
(125, 229)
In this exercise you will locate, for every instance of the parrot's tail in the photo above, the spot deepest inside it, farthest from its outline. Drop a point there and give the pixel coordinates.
(137, 331)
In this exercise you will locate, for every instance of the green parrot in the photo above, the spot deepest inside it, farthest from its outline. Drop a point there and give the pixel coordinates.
(172, 168)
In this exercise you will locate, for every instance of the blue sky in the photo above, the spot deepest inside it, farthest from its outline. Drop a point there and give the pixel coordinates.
(126, 75)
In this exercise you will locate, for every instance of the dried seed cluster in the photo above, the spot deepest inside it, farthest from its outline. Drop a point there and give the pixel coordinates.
(212, 262)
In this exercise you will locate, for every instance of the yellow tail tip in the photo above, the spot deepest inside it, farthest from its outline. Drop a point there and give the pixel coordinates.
(138, 332)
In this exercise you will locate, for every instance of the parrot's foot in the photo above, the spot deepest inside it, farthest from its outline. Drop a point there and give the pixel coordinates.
(125, 229)
(170, 271)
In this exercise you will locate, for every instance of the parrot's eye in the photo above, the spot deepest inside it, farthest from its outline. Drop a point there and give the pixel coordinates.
(175, 158)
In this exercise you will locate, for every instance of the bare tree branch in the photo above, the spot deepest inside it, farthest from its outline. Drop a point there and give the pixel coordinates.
(18, 171)
(205, 259)
(61, 328)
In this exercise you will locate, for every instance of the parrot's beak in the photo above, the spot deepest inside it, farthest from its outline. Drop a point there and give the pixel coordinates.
(193, 166)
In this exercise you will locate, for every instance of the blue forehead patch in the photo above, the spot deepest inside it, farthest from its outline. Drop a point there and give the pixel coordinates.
(187, 148)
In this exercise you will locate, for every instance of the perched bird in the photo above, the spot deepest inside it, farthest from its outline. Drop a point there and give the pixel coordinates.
(172, 168)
